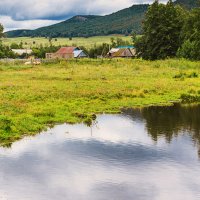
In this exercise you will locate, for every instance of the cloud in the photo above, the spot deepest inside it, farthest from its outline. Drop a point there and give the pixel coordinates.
(37, 13)
(10, 24)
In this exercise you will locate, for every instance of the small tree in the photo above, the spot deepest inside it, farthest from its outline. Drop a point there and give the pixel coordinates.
(133, 37)
(14, 46)
(50, 41)
(21, 45)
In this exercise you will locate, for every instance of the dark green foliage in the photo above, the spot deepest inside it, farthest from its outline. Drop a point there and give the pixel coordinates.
(189, 4)
(187, 50)
(190, 98)
(162, 29)
(100, 50)
(133, 37)
(41, 51)
(6, 52)
(1, 31)
(5, 123)
(190, 48)
(184, 75)
(180, 75)
(16, 46)
(193, 75)
(17, 33)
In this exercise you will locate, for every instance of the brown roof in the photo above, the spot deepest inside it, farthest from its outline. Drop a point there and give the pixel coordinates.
(66, 50)
(122, 53)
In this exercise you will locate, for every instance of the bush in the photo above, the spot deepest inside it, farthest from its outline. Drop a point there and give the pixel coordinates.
(190, 98)
(188, 50)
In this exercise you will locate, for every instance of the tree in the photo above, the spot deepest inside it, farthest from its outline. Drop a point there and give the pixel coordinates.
(14, 46)
(41, 51)
(1, 31)
(50, 41)
(191, 35)
(133, 37)
(161, 31)
(6, 52)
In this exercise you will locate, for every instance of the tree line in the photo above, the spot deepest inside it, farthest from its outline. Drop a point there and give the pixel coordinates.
(41, 50)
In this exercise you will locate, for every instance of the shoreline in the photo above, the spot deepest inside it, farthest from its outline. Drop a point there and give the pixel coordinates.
(32, 98)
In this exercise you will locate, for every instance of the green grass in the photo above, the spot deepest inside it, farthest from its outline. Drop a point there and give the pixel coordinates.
(87, 42)
(33, 98)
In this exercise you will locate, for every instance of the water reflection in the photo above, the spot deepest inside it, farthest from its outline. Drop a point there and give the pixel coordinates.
(169, 122)
(142, 154)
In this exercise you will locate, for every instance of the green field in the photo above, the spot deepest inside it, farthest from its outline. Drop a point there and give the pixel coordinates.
(86, 42)
(35, 97)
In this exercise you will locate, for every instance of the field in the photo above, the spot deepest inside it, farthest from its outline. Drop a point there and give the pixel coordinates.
(87, 42)
(35, 97)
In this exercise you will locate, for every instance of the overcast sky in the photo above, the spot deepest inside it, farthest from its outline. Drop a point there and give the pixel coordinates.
(31, 14)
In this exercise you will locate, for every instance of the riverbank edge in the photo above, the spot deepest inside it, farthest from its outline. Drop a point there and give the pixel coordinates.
(88, 119)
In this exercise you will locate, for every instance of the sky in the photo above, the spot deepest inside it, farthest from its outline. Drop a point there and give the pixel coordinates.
(31, 14)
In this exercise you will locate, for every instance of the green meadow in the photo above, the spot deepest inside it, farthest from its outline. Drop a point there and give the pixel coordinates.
(29, 42)
(33, 98)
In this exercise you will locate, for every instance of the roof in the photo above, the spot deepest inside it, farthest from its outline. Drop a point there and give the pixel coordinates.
(126, 47)
(113, 50)
(122, 53)
(118, 53)
(77, 53)
(67, 50)
(22, 51)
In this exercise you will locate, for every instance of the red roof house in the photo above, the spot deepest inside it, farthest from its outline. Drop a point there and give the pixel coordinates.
(67, 52)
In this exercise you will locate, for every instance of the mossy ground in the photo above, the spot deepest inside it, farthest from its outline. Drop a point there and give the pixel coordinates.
(34, 97)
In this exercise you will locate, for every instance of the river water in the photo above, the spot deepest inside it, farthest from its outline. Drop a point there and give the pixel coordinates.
(148, 154)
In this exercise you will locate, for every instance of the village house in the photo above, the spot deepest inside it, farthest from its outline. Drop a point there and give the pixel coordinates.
(67, 53)
(122, 52)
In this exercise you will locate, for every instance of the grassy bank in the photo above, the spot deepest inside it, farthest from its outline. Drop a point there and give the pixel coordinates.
(32, 98)
(29, 42)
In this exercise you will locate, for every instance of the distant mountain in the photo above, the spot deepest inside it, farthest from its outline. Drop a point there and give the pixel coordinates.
(121, 22)
(17, 33)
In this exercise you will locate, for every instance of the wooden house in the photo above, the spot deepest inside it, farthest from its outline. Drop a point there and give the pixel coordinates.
(67, 53)
(122, 52)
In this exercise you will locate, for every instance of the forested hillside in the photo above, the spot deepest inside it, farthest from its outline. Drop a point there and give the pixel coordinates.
(121, 22)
